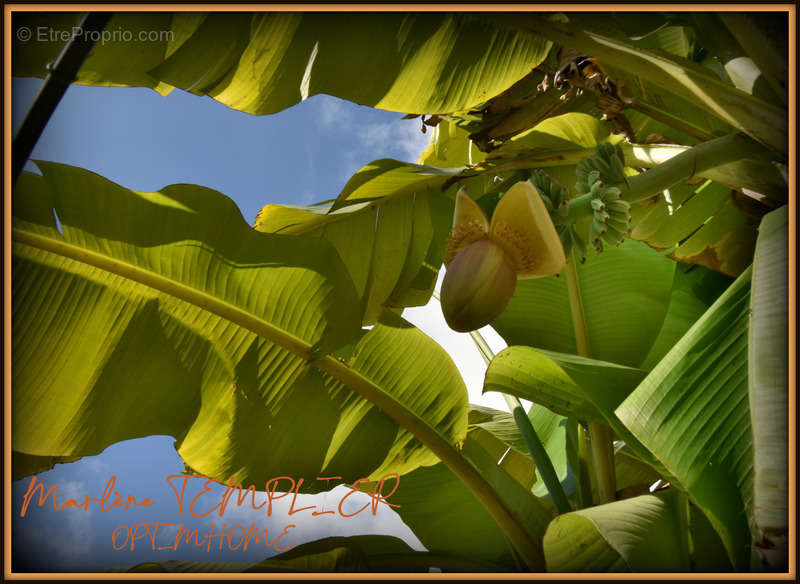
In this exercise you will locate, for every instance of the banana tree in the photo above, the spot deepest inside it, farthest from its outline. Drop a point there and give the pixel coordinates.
(654, 351)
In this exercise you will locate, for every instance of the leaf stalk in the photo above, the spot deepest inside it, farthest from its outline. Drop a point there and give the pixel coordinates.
(527, 546)
(602, 445)
(62, 72)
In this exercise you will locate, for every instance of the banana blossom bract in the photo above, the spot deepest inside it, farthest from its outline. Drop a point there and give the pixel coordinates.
(484, 259)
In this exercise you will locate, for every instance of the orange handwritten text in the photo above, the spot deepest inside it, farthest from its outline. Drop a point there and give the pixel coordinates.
(376, 495)
(235, 537)
(196, 501)
(111, 499)
(275, 488)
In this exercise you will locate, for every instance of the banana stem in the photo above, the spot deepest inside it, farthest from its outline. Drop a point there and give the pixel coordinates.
(602, 444)
(483, 347)
(584, 489)
(576, 308)
(690, 163)
(603, 461)
(580, 206)
(540, 457)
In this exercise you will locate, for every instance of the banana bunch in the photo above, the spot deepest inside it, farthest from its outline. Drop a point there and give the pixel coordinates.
(608, 161)
(597, 176)
(556, 200)
(611, 221)
(555, 197)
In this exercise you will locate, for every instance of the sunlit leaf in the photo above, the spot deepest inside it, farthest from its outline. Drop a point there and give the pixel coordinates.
(265, 62)
(392, 243)
(169, 305)
(643, 534)
(692, 413)
(554, 380)
(674, 77)
(569, 385)
(625, 293)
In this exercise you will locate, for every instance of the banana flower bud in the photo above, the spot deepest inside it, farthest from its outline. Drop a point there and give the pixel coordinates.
(484, 259)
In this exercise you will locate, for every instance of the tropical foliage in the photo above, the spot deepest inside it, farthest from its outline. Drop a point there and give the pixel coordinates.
(658, 356)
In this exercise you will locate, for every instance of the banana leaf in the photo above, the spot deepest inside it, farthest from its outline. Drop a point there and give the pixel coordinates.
(168, 305)
(265, 62)
(642, 534)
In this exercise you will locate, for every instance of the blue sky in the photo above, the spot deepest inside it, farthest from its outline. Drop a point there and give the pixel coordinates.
(144, 141)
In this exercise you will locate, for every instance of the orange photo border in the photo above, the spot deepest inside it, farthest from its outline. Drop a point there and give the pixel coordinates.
(8, 9)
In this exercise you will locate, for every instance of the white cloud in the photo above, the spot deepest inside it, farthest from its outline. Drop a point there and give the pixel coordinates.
(72, 490)
(308, 527)
(76, 544)
(95, 464)
(364, 141)
(332, 111)
(399, 138)
(72, 547)
(384, 522)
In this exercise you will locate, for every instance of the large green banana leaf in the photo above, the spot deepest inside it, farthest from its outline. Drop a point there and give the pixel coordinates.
(164, 313)
(633, 474)
(624, 293)
(692, 413)
(571, 386)
(450, 147)
(708, 553)
(703, 38)
(390, 231)
(502, 438)
(520, 108)
(360, 553)
(23, 465)
(117, 62)
(392, 178)
(765, 39)
(697, 397)
(265, 62)
(768, 358)
(694, 290)
(172, 308)
(695, 41)
(642, 534)
(723, 242)
(554, 432)
(555, 380)
(534, 98)
(561, 134)
(558, 144)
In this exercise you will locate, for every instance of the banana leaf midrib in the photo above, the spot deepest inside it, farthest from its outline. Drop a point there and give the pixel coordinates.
(339, 370)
